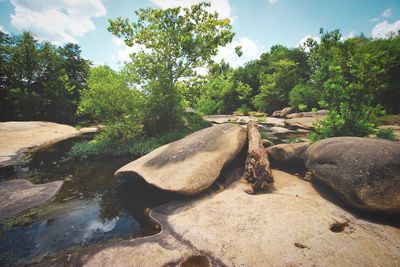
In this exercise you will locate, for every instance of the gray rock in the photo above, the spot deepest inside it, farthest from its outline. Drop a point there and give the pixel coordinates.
(190, 165)
(321, 112)
(288, 153)
(19, 195)
(306, 123)
(364, 171)
(220, 118)
(282, 113)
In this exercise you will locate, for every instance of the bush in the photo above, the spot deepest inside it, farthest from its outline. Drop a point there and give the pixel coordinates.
(243, 110)
(303, 97)
(387, 133)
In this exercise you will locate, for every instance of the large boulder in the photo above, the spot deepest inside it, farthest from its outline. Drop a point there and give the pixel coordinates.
(288, 153)
(190, 165)
(19, 195)
(364, 171)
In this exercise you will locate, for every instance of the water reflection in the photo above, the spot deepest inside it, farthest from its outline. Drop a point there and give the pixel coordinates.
(91, 207)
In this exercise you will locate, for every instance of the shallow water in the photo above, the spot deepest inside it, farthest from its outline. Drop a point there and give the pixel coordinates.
(92, 206)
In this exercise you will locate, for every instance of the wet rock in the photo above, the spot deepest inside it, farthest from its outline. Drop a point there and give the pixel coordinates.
(19, 195)
(365, 172)
(288, 153)
(16, 137)
(282, 113)
(190, 165)
(220, 118)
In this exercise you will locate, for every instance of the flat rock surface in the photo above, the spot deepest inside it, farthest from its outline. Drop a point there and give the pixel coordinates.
(18, 136)
(220, 118)
(190, 165)
(288, 227)
(19, 195)
(303, 122)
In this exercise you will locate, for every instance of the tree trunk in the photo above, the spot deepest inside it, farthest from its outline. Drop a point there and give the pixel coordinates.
(257, 170)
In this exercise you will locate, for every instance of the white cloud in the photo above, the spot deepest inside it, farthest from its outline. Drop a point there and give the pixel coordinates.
(384, 29)
(251, 50)
(222, 7)
(58, 21)
(272, 2)
(387, 13)
(374, 19)
(3, 29)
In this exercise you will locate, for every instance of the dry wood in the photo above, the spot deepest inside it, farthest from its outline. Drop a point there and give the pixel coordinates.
(257, 170)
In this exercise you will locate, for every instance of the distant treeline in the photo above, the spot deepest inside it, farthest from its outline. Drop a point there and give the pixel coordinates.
(307, 77)
(38, 80)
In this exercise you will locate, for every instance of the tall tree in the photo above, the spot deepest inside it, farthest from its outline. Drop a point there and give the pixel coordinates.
(173, 42)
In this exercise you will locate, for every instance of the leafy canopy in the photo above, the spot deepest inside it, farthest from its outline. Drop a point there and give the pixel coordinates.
(172, 43)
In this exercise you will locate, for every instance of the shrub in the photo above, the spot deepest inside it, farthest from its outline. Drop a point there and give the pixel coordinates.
(303, 97)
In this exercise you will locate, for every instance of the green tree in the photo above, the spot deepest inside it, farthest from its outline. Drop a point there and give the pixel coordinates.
(109, 100)
(174, 42)
(350, 78)
(304, 97)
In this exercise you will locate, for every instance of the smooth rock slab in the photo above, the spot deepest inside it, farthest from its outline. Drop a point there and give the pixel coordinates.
(364, 171)
(232, 228)
(306, 123)
(16, 137)
(288, 153)
(19, 195)
(190, 165)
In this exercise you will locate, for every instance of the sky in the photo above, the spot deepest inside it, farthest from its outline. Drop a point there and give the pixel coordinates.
(258, 24)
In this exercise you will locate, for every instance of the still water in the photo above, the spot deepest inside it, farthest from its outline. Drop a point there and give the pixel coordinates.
(92, 207)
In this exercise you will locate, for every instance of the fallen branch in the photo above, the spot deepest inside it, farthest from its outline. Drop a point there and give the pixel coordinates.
(257, 170)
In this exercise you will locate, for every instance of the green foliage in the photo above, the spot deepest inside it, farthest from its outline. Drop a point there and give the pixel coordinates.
(109, 100)
(350, 78)
(39, 81)
(303, 97)
(174, 42)
(387, 133)
(292, 140)
(242, 110)
(135, 146)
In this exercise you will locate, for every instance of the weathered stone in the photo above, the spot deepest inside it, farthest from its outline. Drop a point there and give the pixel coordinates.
(267, 143)
(16, 137)
(364, 171)
(190, 165)
(220, 118)
(288, 227)
(282, 113)
(19, 195)
(288, 153)
(321, 112)
(303, 122)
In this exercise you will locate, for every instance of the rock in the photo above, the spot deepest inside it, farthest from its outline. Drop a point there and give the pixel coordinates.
(86, 130)
(19, 195)
(190, 165)
(303, 122)
(267, 143)
(16, 137)
(288, 153)
(364, 171)
(232, 228)
(220, 118)
(282, 113)
(280, 130)
(321, 112)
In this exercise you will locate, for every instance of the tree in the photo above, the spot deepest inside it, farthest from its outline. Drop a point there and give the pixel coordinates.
(350, 78)
(109, 100)
(173, 42)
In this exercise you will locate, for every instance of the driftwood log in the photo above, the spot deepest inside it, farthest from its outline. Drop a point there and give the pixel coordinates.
(257, 169)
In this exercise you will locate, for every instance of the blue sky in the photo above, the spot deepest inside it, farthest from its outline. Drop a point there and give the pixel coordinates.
(258, 24)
